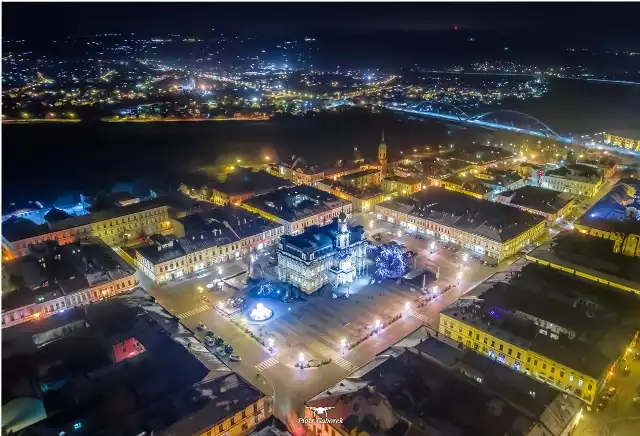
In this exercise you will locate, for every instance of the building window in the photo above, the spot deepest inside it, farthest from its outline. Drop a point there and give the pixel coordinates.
(477, 337)
(580, 382)
(544, 366)
(509, 352)
(561, 374)
(255, 408)
(535, 362)
(485, 340)
(220, 428)
(501, 347)
(518, 356)
(553, 369)
(493, 343)
(470, 333)
(589, 386)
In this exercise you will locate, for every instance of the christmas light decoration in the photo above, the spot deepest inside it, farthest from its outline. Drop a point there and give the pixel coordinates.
(390, 262)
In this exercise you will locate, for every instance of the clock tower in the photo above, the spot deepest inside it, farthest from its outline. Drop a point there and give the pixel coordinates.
(382, 155)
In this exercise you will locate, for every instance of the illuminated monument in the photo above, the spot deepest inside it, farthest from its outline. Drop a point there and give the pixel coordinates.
(333, 254)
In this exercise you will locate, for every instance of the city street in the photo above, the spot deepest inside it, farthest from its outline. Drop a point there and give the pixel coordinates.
(621, 417)
(317, 326)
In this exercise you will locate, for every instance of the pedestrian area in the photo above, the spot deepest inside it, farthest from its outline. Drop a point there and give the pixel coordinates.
(194, 312)
(320, 324)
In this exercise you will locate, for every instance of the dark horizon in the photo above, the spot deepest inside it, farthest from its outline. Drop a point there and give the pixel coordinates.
(602, 24)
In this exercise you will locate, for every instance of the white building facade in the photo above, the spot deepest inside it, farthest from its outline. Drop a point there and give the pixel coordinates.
(333, 254)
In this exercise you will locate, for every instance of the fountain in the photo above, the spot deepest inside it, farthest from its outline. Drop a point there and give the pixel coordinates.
(261, 313)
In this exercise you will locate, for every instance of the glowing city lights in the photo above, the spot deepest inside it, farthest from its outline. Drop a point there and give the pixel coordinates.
(261, 313)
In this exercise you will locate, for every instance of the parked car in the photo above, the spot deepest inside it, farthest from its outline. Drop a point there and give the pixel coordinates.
(219, 341)
(201, 326)
(235, 358)
(220, 352)
(209, 341)
(602, 404)
(228, 349)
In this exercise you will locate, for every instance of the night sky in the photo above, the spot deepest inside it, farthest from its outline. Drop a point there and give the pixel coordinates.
(596, 23)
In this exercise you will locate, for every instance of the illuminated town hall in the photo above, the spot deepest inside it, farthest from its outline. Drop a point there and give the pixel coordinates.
(333, 254)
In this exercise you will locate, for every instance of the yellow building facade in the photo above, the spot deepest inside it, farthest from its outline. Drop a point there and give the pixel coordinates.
(114, 227)
(622, 142)
(520, 358)
(242, 422)
(401, 186)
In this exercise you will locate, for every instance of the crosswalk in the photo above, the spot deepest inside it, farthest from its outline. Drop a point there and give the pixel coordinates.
(421, 317)
(193, 312)
(343, 363)
(266, 364)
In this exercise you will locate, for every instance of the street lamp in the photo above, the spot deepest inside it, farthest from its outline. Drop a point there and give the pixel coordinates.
(459, 276)
(370, 224)
(465, 257)
(343, 344)
(377, 325)
(301, 360)
(435, 290)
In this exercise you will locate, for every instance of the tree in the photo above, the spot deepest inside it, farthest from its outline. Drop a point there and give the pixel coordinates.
(390, 262)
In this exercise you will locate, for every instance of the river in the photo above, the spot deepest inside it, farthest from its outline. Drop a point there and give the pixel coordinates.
(43, 161)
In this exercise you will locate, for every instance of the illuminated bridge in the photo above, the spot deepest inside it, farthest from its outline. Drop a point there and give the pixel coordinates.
(510, 120)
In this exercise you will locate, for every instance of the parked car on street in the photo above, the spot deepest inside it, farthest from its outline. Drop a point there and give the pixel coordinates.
(235, 358)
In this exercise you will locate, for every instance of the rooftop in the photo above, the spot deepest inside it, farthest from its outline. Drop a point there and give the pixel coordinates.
(578, 172)
(81, 379)
(403, 180)
(415, 395)
(318, 239)
(512, 386)
(292, 204)
(614, 211)
(353, 176)
(362, 194)
(16, 229)
(536, 198)
(51, 270)
(596, 324)
(500, 177)
(495, 221)
(244, 180)
(591, 255)
(213, 228)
